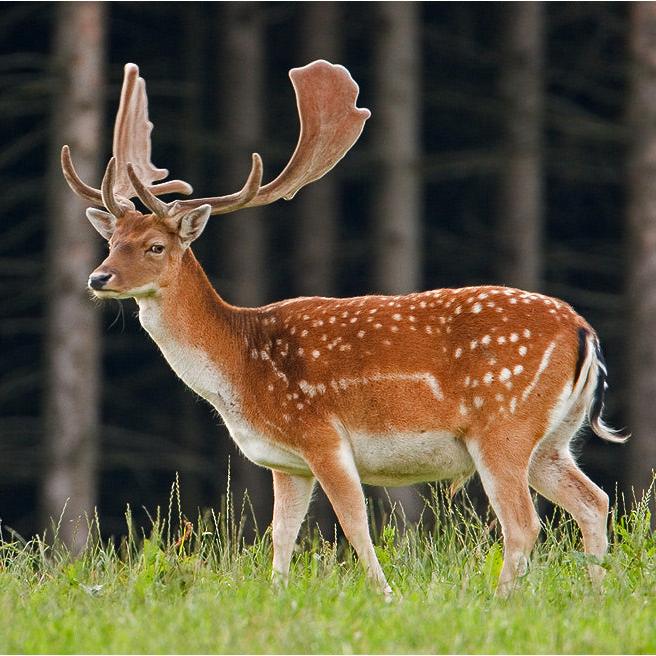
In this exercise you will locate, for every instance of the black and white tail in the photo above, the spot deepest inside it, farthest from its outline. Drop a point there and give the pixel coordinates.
(596, 407)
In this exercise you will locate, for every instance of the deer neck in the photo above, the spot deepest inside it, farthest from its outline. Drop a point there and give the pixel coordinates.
(198, 333)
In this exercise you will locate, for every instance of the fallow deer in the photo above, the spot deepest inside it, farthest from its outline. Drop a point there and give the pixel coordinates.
(385, 390)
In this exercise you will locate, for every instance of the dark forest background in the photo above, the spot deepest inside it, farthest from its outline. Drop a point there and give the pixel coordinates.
(510, 143)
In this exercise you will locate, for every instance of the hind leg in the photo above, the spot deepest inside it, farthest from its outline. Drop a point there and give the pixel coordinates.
(506, 484)
(554, 474)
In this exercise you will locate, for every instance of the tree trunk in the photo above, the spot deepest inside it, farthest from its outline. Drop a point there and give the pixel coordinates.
(641, 213)
(190, 425)
(519, 262)
(243, 235)
(397, 193)
(394, 129)
(72, 386)
(317, 206)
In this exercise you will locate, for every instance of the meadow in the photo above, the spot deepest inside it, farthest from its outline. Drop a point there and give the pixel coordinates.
(180, 587)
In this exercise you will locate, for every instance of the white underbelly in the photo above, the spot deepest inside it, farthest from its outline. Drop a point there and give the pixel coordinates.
(261, 450)
(407, 458)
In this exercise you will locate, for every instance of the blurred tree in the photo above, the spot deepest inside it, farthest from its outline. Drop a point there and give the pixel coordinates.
(72, 347)
(641, 263)
(317, 207)
(396, 206)
(520, 260)
(189, 420)
(243, 235)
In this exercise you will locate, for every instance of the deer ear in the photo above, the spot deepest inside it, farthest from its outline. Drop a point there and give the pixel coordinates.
(193, 223)
(103, 222)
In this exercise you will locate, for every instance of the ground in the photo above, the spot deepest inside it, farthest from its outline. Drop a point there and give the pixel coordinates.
(210, 593)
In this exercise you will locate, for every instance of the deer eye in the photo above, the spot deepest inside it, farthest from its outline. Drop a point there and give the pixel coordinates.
(156, 248)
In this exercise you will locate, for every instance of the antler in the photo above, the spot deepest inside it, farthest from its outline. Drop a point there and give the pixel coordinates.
(131, 144)
(330, 125)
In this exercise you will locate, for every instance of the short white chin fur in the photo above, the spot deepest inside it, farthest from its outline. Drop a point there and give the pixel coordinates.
(137, 292)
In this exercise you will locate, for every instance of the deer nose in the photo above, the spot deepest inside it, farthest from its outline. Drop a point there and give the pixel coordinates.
(99, 280)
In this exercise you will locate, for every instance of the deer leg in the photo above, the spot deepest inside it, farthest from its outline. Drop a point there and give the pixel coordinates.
(337, 474)
(506, 485)
(291, 498)
(554, 474)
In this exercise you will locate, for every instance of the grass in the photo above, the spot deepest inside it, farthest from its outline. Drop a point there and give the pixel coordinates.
(199, 588)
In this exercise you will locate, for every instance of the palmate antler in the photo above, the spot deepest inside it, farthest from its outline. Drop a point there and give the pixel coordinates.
(131, 144)
(330, 124)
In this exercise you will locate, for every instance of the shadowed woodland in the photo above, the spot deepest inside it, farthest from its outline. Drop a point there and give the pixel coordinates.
(510, 143)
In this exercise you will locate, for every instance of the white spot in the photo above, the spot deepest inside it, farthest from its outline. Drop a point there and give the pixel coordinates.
(513, 405)
(478, 402)
(300, 406)
(512, 301)
(292, 330)
(463, 409)
(476, 308)
(361, 334)
(504, 374)
(526, 333)
(486, 340)
(518, 369)
(373, 311)
(386, 342)
(458, 353)
(300, 351)
(473, 344)
(270, 387)
(394, 329)
(378, 326)
(332, 319)
(254, 354)
(316, 323)
(353, 319)
(482, 296)
(514, 337)
(501, 339)
(488, 378)
(396, 317)
(429, 330)
(345, 347)
(498, 397)
(522, 350)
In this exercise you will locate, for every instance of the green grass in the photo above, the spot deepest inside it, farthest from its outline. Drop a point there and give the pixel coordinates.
(209, 592)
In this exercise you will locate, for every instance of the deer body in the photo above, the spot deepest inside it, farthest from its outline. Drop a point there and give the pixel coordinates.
(386, 390)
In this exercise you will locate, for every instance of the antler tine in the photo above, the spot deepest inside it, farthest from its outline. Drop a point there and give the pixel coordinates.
(107, 190)
(330, 125)
(154, 204)
(75, 183)
(232, 202)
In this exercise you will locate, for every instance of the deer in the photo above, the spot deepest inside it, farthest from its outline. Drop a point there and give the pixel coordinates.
(384, 390)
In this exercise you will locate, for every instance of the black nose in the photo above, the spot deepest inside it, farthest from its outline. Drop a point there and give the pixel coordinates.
(99, 280)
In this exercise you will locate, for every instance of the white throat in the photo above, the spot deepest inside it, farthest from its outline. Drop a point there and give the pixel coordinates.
(192, 364)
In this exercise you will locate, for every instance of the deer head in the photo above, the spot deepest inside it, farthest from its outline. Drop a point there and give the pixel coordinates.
(146, 248)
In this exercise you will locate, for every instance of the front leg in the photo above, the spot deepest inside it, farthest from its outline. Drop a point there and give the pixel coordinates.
(291, 498)
(337, 474)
